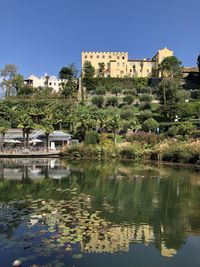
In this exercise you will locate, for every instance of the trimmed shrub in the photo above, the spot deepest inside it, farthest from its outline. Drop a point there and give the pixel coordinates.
(143, 90)
(173, 131)
(150, 125)
(100, 90)
(98, 101)
(112, 101)
(144, 106)
(91, 138)
(116, 90)
(127, 114)
(144, 115)
(186, 128)
(128, 99)
(145, 98)
(130, 92)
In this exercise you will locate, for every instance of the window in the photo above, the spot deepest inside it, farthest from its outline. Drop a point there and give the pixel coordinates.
(121, 72)
(122, 57)
(117, 64)
(103, 56)
(130, 70)
(118, 57)
(85, 56)
(91, 56)
(97, 56)
(147, 70)
(50, 83)
(54, 83)
(110, 57)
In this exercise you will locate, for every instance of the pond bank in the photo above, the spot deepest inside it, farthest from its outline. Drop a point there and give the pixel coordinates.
(168, 151)
(30, 154)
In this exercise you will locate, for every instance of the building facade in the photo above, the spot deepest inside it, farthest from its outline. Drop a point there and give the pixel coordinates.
(117, 64)
(46, 81)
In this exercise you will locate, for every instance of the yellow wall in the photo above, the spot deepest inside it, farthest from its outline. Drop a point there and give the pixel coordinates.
(117, 64)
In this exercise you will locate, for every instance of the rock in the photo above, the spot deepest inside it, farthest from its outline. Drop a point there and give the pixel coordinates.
(17, 263)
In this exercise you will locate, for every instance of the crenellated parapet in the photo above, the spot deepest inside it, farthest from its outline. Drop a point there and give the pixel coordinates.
(117, 64)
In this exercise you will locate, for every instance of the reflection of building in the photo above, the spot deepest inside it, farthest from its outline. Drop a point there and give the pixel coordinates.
(117, 238)
(17, 169)
(117, 64)
(167, 252)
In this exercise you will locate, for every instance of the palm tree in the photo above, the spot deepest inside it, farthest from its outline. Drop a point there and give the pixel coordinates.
(142, 66)
(47, 126)
(113, 124)
(27, 125)
(5, 125)
(3, 131)
(47, 80)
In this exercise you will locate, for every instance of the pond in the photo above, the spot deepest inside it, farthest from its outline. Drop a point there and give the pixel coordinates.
(89, 213)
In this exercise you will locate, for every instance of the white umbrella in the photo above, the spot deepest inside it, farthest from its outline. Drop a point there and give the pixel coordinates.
(12, 141)
(34, 141)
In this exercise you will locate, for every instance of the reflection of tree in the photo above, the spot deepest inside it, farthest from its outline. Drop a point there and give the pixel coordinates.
(150, 205)
(2, 171)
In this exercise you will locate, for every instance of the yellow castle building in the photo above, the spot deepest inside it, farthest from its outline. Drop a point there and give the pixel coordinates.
(117, 64)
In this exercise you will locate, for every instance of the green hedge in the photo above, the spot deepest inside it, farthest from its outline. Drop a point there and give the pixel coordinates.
(124, 83)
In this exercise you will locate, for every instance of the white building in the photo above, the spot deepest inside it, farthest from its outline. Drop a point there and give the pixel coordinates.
(46, 81)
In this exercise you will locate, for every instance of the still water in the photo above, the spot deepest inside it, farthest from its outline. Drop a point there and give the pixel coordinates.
(94, 214)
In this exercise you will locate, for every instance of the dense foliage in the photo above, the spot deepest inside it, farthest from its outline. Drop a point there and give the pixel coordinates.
(119, 107)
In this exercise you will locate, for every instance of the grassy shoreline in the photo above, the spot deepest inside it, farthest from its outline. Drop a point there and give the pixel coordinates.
(167, 151)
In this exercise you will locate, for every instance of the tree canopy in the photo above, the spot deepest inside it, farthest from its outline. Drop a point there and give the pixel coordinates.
(70, 72)
(198, 63)
(170, 67)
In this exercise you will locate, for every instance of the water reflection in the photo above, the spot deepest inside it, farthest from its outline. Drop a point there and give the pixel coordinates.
(52, 207)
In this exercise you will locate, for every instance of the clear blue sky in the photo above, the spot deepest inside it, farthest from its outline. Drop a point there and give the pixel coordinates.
(43, 35)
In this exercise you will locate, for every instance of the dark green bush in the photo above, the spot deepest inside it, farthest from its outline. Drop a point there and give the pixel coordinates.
(100, 90)
(91, 137)
(130, 92)
(127, 114)
(128, 99)
(98, 101)
(131, 152)
(144, 106)
(112, 101)
(150, 125)
(144, 115)
(145, 98)
(177, 154)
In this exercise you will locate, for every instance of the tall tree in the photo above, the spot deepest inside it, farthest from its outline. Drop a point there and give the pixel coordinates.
(27, 125)
(116, 91)
(5, 125)
(68, 73)
(17, 83)
(170, 67)
(169, 93)
(113, 125)
(198, 63)
(88, 74)
(47, 126)
(101, 69)
(69, 88)
(7, 74)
